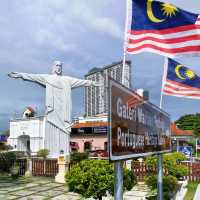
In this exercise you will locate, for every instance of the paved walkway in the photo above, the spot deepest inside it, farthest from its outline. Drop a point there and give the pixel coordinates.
(139, 192)
(197, 194)
(37, 188)
(34, 189)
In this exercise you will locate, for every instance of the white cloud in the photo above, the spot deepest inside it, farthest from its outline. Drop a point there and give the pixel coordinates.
(91, 15)
(45, 37)
(107, 26)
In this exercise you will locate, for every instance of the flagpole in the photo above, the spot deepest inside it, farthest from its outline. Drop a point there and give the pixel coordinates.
(160, 157)
(163, 80)
(127, 24)
(161, 98)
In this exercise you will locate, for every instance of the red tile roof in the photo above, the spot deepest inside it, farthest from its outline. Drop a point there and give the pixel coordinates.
(178, 132)
(89, 124)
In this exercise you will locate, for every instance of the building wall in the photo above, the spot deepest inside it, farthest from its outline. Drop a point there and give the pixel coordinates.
(31, 129)
(96, 101)
(97, 141)
(40, 133)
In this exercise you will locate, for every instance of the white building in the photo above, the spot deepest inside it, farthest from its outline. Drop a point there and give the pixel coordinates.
(96, 101)
(32, 134)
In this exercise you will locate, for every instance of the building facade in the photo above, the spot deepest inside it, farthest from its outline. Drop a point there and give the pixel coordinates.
(180, 137)
(32, 134)
(96, 98)
(90, 134)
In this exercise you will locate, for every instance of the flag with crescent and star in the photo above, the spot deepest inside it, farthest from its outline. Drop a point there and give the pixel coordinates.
(181, 81)
(162, 28)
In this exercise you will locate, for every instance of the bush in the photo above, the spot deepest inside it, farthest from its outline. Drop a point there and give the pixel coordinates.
(76, 157)
(178, 156)
(151, 181)
(179, 171)
(129, 179)
(171, 163)
(4, 147)
(43, 153)
(93, 178)
(170, 185)
(14, 172)
(7, 159)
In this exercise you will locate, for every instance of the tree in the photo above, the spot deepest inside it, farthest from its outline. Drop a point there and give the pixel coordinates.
(189, 122)
(43, 153)
(196, 130)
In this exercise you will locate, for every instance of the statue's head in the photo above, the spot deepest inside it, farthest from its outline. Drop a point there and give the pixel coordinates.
(57, 68)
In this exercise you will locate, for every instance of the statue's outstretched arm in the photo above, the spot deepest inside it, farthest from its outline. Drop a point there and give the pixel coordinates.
(39, 78)
(81, 82)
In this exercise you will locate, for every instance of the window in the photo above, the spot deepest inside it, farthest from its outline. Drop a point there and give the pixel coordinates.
(87, 146)
(106, 146)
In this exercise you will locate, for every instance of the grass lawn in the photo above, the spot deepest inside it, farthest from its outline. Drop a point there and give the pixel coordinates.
(192, 186)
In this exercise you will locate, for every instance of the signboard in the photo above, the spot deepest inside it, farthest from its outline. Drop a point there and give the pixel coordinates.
(136, 128)
(3, 138)
(187, 150)
(90, 130)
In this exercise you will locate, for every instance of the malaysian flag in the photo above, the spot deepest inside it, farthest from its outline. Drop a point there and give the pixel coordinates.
(181, 81)
(162, 28)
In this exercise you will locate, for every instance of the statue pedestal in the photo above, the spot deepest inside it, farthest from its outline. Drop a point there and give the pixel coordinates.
(63, 166)
(28, 172)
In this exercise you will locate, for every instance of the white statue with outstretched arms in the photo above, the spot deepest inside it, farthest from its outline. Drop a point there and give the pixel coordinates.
(58, 93)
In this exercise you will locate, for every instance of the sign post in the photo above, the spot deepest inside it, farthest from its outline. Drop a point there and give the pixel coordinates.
(118, 167)
(160, 177)
(136, 129)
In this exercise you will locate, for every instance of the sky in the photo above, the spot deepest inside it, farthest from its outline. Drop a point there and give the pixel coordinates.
(83, 35)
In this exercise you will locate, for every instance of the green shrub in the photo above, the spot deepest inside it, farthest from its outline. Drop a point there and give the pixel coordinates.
(93, 178)
(129, 179)
(7, 160)
(171, 163)
(14, 171)
(170, 185)
(151, 181)
(76, 157)
(4, 147)
(179, 171)
(178, 156)
(43, 153)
